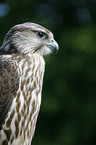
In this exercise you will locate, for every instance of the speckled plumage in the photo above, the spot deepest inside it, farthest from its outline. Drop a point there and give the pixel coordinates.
(21, 79)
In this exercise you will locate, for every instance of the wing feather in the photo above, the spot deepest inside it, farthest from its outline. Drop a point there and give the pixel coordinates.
(9, 84)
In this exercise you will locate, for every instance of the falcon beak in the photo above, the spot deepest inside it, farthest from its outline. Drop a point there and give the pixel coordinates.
(53, 45)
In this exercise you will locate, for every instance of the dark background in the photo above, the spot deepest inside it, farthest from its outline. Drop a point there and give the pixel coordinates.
(68, 109)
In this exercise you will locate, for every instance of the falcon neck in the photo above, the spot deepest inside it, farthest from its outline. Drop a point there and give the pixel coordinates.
(31, 62)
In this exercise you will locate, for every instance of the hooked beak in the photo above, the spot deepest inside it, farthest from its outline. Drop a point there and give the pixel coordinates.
(53, 45)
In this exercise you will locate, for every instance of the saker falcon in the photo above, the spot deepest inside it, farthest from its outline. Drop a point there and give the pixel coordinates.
(21, 77)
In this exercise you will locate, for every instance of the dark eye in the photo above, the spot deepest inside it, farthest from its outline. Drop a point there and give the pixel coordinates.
(41, 35)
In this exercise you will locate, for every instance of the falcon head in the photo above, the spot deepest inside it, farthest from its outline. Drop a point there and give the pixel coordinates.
(29, 38)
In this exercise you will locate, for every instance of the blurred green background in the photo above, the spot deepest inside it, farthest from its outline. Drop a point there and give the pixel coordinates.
(68, 109)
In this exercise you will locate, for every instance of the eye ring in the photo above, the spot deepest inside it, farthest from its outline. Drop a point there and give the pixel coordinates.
(41, 34)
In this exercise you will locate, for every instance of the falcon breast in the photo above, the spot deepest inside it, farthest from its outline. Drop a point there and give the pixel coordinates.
(21, 77)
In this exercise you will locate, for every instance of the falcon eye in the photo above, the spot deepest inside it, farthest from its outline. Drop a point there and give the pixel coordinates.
(41, 35)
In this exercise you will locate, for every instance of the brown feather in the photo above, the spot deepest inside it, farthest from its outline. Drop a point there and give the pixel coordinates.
(9, 83)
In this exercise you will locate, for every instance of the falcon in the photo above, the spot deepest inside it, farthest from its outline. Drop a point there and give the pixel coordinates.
(22, 69)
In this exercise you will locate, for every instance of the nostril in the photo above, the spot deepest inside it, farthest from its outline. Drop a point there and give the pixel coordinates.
(52, 40)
